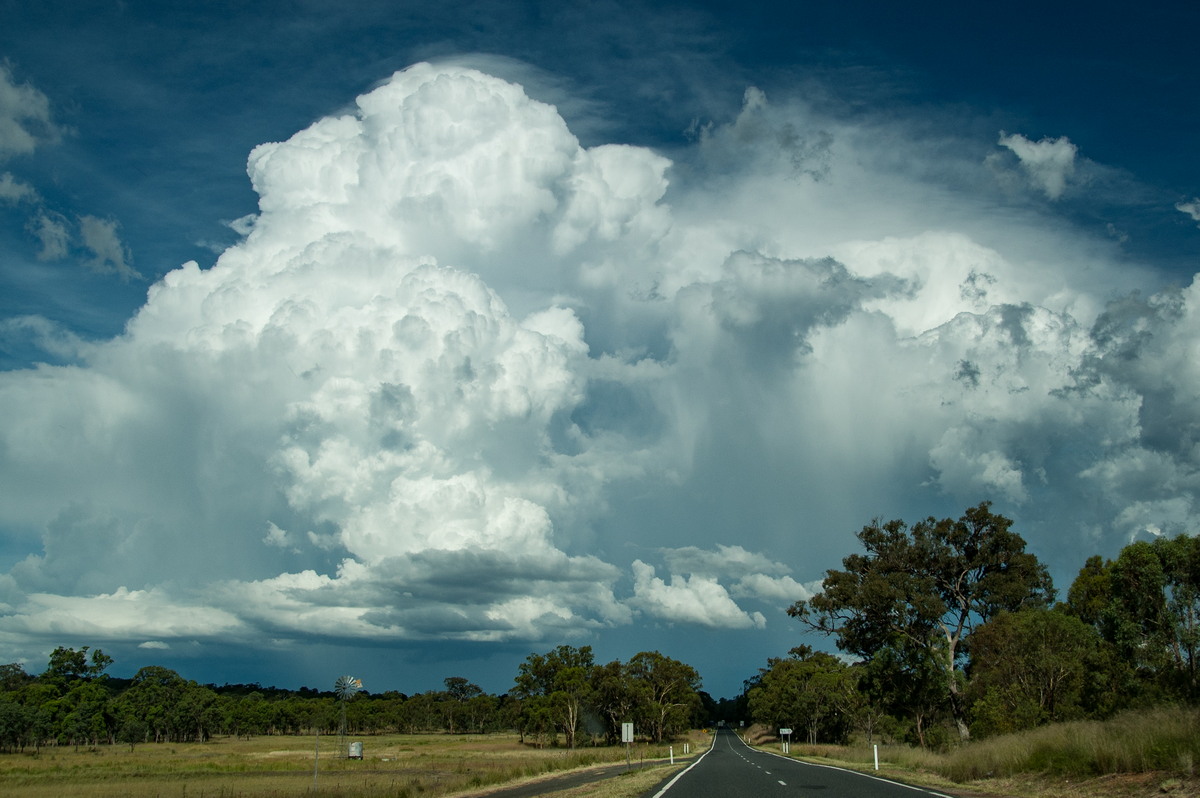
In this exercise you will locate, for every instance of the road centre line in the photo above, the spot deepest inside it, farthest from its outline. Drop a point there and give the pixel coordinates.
(846, 770)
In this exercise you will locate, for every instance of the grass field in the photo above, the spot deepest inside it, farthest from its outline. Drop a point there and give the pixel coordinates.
(402, 766)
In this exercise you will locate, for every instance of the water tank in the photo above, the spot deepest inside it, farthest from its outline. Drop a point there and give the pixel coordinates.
(355, 751)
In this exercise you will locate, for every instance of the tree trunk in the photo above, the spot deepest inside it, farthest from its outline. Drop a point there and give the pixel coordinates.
(958, 707)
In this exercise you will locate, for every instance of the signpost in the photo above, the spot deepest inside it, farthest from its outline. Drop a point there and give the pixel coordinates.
(627, 738)
(786, 735)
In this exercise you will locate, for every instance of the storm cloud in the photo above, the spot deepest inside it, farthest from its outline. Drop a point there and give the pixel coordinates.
(465, 379)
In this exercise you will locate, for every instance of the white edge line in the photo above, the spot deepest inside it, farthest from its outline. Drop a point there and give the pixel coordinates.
(681, 773)
(835, 767)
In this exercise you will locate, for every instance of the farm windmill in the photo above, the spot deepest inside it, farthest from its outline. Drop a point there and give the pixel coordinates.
(345, 687)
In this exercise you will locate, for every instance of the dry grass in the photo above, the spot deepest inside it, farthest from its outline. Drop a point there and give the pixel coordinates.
(1151, 753)
(277, 767)
(1160, 740)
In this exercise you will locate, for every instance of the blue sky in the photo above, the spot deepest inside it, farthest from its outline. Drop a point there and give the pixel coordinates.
(407, 340)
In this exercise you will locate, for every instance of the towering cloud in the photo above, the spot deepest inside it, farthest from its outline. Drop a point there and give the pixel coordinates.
(465, 379)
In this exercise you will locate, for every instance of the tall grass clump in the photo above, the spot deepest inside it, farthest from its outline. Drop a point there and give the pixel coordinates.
(1162, 739)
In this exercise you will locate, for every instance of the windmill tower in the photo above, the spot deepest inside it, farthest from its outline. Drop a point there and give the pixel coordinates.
(345, 687)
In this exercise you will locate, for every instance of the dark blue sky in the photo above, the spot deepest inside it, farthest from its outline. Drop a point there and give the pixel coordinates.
(910, 193)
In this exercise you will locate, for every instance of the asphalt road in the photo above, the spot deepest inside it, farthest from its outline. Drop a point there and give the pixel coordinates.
(732, 769)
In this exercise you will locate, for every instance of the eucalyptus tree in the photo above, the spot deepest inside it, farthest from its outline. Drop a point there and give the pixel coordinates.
(668, 691)
(13, 677)
(458, 704)
(556, 687)
(75, 704)
(917, 592)
(1030, 668)
(151, 699)
(1146, 604)
(614, 696)
(14, 723)
(68, 666)
(811, 690)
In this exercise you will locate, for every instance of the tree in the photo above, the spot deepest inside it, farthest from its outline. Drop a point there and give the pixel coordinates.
(196, 714)
(68, 665)
(1091, 592)
(420, 713)
(904, 682)
(13, 677)
(1146, 604)
(668, 691)
(14, 723)
(1030, 668)
(920, 591)
(247, 715)
(480, 712)
(42, 704)
(151, 697)
(87, 717)
(132, 731)
(614, 695)
(456, 701)
(556, 686)
(810, 690)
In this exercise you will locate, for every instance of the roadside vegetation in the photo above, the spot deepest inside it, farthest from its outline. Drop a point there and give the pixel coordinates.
(958, 662)
(1134, 754)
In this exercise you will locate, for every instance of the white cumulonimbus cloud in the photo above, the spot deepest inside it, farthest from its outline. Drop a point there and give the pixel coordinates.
(464, 377)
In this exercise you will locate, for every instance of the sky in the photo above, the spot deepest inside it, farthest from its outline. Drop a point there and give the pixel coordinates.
(407, 339)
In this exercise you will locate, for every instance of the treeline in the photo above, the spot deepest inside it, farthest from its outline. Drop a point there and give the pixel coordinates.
(563, 692)
(953, 631)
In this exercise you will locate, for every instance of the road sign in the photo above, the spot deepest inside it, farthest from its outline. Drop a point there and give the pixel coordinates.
(626, 732)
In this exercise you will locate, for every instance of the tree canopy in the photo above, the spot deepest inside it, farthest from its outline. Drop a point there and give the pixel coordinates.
(918, 591)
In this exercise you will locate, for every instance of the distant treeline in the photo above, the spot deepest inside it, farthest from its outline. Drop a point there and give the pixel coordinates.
(561, 695)
(953, 632)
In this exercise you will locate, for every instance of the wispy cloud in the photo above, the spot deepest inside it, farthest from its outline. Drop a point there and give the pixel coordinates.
(1049, 163)
(108, 254)
(25, 118)
(26, 124)
(1192, 209)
